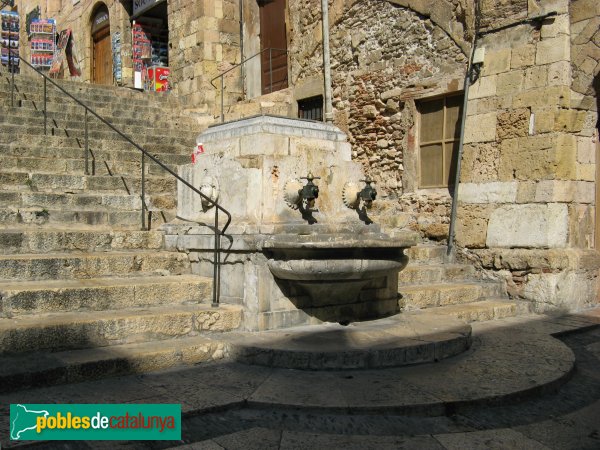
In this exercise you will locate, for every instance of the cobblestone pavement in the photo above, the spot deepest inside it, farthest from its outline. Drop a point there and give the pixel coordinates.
(563, 418)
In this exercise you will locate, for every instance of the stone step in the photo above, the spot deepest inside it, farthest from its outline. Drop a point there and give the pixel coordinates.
(86, 200)
(87, 91)
(139, 134)
(34, 122)
(420, 296)
(79, 330)
(31, 110)
(180, 156)
(435, 273)
(34, 93)
(49, 182)
(77, 166)
(277, 103)
(484, 310)
(21, 298)
(125, 220)
(49, 141)
(116, 114)
(25, 86)
(31, 370)
(426, 254)
(60, 114)
(13, 179)
(27, 240)
(84, 265)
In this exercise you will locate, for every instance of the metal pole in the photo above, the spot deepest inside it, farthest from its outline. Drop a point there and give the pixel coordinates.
(242, 72)
(466, 85)
(222, 99)
(87, 145)
(11, 68)
(216, 267)
(45, 110)
(328, 116)
(143, 191)
(271, 70)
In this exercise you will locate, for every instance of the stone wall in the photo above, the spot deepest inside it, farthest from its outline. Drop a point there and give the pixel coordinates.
(205, 41)
(383, 58)
(527, 193)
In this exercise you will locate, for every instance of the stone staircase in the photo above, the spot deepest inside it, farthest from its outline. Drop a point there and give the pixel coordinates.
(452, 289)
(278, 103)
(83, 292)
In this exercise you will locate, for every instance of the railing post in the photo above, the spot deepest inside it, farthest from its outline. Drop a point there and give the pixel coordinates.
(12, 71)
(143, 191)
(222, 99)
(87, 145)
(46, 113)
(270, 70)
(217, 264)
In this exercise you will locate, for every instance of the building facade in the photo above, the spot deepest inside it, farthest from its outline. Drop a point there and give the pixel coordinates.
(528, 181)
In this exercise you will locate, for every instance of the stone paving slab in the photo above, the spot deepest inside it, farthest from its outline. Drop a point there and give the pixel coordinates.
(492, 371)
(263, 438)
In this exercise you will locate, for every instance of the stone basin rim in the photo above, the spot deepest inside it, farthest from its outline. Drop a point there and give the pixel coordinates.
(338, 241)
(334, 270)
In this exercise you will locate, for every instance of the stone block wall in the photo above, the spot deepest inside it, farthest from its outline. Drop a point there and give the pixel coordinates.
(204, 42)
(528, 173)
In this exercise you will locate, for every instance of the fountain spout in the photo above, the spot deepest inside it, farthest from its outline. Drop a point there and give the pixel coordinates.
(368, 193)
(309, 191)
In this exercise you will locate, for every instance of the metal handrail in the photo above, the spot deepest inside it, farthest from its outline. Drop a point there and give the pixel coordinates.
(217, 265)
(222, 75)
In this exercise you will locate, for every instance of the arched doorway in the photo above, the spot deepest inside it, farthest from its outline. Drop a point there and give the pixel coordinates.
(102, 72)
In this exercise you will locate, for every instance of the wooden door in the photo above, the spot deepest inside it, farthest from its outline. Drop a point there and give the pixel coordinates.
(102, 65)
(274, 67)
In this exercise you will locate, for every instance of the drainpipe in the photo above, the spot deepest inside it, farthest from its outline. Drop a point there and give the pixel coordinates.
(328, 116)
(242, 48)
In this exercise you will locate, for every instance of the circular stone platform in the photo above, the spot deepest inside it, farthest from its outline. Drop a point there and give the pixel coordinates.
(404, 339)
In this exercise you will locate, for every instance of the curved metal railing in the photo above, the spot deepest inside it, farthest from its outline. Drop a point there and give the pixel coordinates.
(222, 75)
(145, 153)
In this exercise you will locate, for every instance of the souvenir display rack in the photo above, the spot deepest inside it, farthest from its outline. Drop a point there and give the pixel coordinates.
(42, 37)
(150, 53)
(10, 40)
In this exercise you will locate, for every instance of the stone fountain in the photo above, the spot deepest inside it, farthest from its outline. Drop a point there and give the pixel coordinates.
(301, 249)
(289, 260)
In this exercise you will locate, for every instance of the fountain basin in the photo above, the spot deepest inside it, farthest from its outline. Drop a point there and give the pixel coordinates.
(332, 271)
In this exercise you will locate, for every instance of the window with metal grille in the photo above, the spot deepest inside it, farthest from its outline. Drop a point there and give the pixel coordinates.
(439, 132)
(311, 108)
